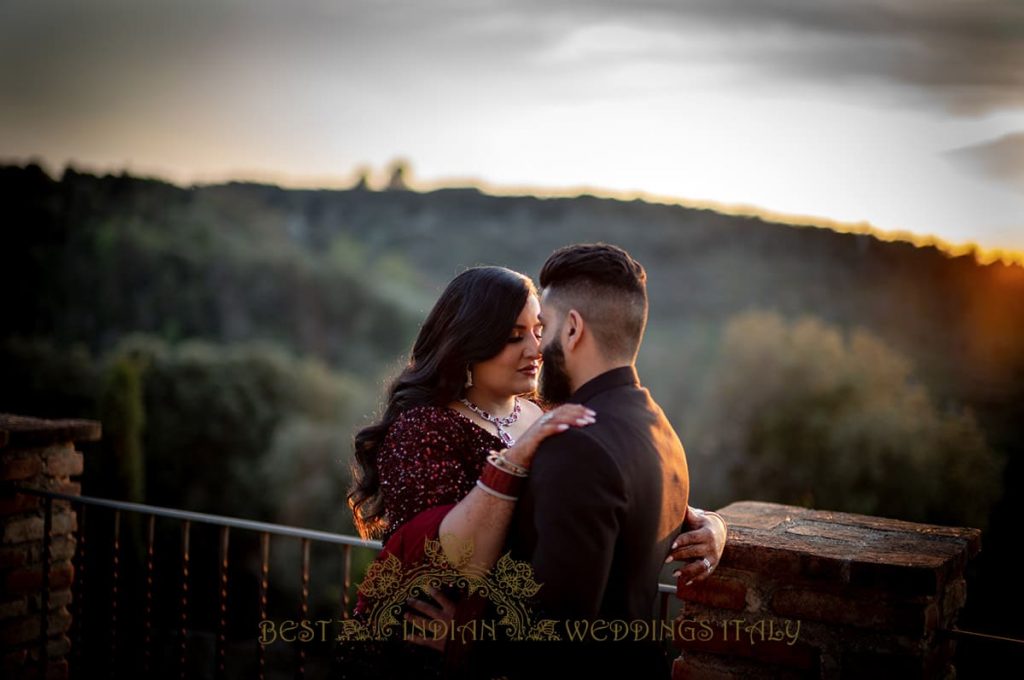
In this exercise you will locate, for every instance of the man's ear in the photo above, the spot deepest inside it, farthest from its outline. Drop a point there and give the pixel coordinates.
(574, 329)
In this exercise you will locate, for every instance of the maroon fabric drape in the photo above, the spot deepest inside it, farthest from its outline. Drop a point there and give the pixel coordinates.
(407, 543)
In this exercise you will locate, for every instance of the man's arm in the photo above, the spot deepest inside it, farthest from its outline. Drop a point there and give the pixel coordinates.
(579, 498)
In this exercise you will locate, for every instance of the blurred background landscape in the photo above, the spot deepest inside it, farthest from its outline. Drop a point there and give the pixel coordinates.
(231, 338)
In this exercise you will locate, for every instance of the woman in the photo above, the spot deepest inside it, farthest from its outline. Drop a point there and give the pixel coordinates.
(422, 472)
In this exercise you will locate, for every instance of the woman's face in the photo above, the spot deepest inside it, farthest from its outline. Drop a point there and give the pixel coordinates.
(515, 368)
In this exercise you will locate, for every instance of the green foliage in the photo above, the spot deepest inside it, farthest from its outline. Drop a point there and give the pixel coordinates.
(345, 277)
(40, 378)
(799, 412)
(215, 412)
(106, 257)
(305, 474)
(256, 326)
(123, 417)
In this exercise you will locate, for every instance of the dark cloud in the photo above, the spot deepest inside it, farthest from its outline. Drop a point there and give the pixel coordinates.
(73, 56)
(1001, 159)
(968, 54)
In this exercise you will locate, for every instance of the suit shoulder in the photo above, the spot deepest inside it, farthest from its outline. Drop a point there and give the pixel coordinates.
(573, 439)
(577, 450)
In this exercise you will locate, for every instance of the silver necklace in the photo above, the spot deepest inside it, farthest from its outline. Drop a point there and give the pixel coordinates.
(499, 423)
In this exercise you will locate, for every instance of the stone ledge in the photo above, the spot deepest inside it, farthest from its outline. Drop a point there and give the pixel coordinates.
(23, 431)
(864, 596)
(798, 543)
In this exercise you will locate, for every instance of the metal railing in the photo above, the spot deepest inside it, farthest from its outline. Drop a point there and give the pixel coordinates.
(187, 518)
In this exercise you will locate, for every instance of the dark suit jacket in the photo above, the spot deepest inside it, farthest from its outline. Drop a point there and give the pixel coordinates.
(596, 520)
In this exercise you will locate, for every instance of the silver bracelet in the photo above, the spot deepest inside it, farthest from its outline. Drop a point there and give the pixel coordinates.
(502, 456)
(495, 493)
(505, 465)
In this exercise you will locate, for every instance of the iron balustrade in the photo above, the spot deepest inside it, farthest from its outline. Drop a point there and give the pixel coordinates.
(187, 518)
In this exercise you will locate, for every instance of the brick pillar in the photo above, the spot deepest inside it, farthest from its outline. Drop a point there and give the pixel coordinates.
(40, 454)
(814, 594)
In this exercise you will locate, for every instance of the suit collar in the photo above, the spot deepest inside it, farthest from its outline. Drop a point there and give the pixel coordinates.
(617, 377)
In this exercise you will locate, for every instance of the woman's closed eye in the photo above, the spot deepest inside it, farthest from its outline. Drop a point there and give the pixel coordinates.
(538, 333)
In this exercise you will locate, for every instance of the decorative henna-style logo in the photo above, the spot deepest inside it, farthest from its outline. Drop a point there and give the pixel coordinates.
(507, 587)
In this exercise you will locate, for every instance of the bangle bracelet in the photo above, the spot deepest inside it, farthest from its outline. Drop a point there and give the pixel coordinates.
(512, 467)
(501, 481)
(495, 493)
(505, 465)
(503, 455)
(496, 463)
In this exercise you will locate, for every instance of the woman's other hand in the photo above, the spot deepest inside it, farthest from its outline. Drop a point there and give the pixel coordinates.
(553, 422)
(701, 546)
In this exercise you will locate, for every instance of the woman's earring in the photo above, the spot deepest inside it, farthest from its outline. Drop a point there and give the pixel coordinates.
(469, 378)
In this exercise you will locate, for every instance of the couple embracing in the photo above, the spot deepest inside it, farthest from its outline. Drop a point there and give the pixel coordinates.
(519, 426)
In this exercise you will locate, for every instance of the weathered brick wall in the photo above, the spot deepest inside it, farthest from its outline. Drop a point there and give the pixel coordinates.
(813, 594)
(40, 454)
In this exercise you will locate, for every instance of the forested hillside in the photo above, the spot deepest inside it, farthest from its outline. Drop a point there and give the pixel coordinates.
(251, 328)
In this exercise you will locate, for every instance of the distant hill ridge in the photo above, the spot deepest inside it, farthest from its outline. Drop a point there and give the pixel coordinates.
(348, 274)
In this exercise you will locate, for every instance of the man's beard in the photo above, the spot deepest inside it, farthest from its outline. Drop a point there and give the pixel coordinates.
(554, 381)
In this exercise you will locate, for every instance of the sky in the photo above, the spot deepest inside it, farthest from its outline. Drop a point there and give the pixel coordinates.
(907, 115)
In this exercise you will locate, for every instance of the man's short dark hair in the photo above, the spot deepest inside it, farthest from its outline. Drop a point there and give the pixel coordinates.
(607, 287)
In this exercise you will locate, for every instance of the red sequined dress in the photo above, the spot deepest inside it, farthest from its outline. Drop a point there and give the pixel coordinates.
(429, 460)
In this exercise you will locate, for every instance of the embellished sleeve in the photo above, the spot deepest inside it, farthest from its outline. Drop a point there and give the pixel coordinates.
(420, 465)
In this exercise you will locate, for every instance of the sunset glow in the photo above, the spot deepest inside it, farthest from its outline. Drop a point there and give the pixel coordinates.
(909, 118)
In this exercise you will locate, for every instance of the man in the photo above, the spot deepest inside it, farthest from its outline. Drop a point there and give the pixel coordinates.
(602, 503)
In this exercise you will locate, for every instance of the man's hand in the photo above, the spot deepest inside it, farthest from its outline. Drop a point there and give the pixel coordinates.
(700, 546)
(436, 621)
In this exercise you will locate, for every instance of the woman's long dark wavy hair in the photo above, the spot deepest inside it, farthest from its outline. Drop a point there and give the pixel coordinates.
(471, 321)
